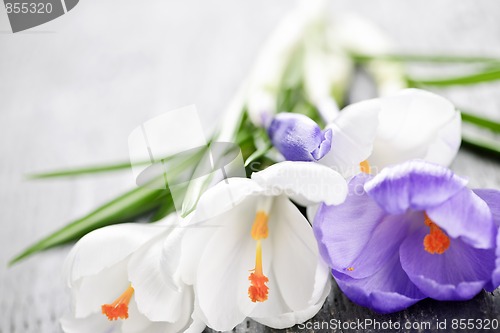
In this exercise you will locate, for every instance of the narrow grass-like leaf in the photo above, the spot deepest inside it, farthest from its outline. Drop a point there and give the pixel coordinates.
(258, 154)
(488, 75)
(485, 147)
(480, 121)
(426, 58)
(125, 208)
(166, 207)
(117, 166)
(80, 171)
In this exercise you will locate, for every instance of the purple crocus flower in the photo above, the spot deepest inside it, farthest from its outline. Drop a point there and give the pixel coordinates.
(412, 231)
(299, 138)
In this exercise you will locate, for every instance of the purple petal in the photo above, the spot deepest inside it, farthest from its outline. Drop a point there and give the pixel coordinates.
(495, 278)
(458, 274)
(357, 237)
(492, 199)
(415, 185)
(299, 138)
(324, 146)
(388, 290)
(467, 216)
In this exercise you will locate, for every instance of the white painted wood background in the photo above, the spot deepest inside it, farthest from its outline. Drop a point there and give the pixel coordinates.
(73, 89)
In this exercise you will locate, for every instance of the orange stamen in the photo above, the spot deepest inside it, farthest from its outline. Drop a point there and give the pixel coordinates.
(436, 242)
(365, 167)
(258, 289)
(119, 308)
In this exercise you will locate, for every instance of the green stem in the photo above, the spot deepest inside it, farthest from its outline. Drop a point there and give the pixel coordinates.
(425, 58)
(488, 75)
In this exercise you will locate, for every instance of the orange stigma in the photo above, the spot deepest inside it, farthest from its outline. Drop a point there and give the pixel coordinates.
(258, 289)
(436, 242)
(119, 308)
(365, 167)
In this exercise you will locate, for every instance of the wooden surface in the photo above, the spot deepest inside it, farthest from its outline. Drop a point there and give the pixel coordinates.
(72, 90)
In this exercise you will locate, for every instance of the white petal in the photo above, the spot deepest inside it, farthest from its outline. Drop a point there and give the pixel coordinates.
(187, 321)
(410, 122)
(311, 213)
(353, 135)
(289, 319)
(105, 247)
(171, 220)
(222, 282)
(138, 323)
(296, 257)
(197, 326)
(224, 196)
(303, 182)
(91, 292)
(152, 273)
(96, 323)
(193, 246)
(445, 147)
(299, 282)
(326, 74)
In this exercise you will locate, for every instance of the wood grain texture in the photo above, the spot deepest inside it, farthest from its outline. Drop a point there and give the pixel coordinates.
(72, 90)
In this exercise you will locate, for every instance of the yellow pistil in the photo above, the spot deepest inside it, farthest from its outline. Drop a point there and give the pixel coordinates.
(436, 242)
(119, 308)
(258, 290)
(365, 167)
(259, 227)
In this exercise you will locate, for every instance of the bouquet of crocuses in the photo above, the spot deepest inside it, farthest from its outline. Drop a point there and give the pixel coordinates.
(362, 193)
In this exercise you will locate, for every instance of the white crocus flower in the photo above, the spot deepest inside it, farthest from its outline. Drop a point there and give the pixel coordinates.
(253, 254)
(357, 35)
(126, 278)
(326, 77)
(413, 124)
(274, 60)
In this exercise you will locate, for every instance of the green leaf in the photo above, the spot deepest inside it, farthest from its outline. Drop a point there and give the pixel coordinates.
(485, 147)
(243, 136)
(425, 58)
(480, 121)
(258, 154)
(80, 171)
(488, 75)
(125, 208)
(166, 207)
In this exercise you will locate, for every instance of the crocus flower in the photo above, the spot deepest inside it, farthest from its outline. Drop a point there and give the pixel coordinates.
(273, 62)
(412, 231)
(374, 134)
(299, 138)
(254, 254)
(125, 278)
